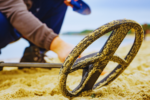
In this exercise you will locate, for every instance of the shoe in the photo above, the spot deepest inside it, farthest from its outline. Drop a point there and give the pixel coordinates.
(1, 68)
(33, 54)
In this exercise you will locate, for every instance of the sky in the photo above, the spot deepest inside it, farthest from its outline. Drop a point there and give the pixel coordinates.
(104, 11)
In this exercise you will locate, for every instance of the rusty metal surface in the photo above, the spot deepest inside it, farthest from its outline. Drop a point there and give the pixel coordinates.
(95, 63)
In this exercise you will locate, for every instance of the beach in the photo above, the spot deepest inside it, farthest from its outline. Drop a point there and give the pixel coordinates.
(41, 84)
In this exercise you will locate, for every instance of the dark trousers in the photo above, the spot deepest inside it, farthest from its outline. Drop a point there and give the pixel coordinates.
(50, 12)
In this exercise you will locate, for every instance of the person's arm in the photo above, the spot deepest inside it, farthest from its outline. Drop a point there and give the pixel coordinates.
(32, 29)
(26, 23)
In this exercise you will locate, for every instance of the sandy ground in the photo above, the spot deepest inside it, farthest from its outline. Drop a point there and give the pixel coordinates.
(41, 84)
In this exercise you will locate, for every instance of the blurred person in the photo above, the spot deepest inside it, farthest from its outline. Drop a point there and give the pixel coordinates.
(39, 22)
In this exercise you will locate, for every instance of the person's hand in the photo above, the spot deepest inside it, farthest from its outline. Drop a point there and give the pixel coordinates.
(61, 48)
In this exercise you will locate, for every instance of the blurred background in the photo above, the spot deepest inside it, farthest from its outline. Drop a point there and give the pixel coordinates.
(76, 26)
(104, 11)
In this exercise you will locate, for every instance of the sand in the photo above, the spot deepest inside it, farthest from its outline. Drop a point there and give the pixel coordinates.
(41, 84)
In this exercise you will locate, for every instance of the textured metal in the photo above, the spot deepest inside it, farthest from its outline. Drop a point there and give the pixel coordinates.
(94, 64)
(28, 65)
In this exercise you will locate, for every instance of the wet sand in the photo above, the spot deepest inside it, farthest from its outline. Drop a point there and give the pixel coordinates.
(41, 84)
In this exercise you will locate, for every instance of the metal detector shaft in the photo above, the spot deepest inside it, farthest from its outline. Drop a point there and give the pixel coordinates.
(36, 65)
(40, 65)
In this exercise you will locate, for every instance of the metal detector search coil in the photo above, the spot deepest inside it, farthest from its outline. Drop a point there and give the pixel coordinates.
(94, 64)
